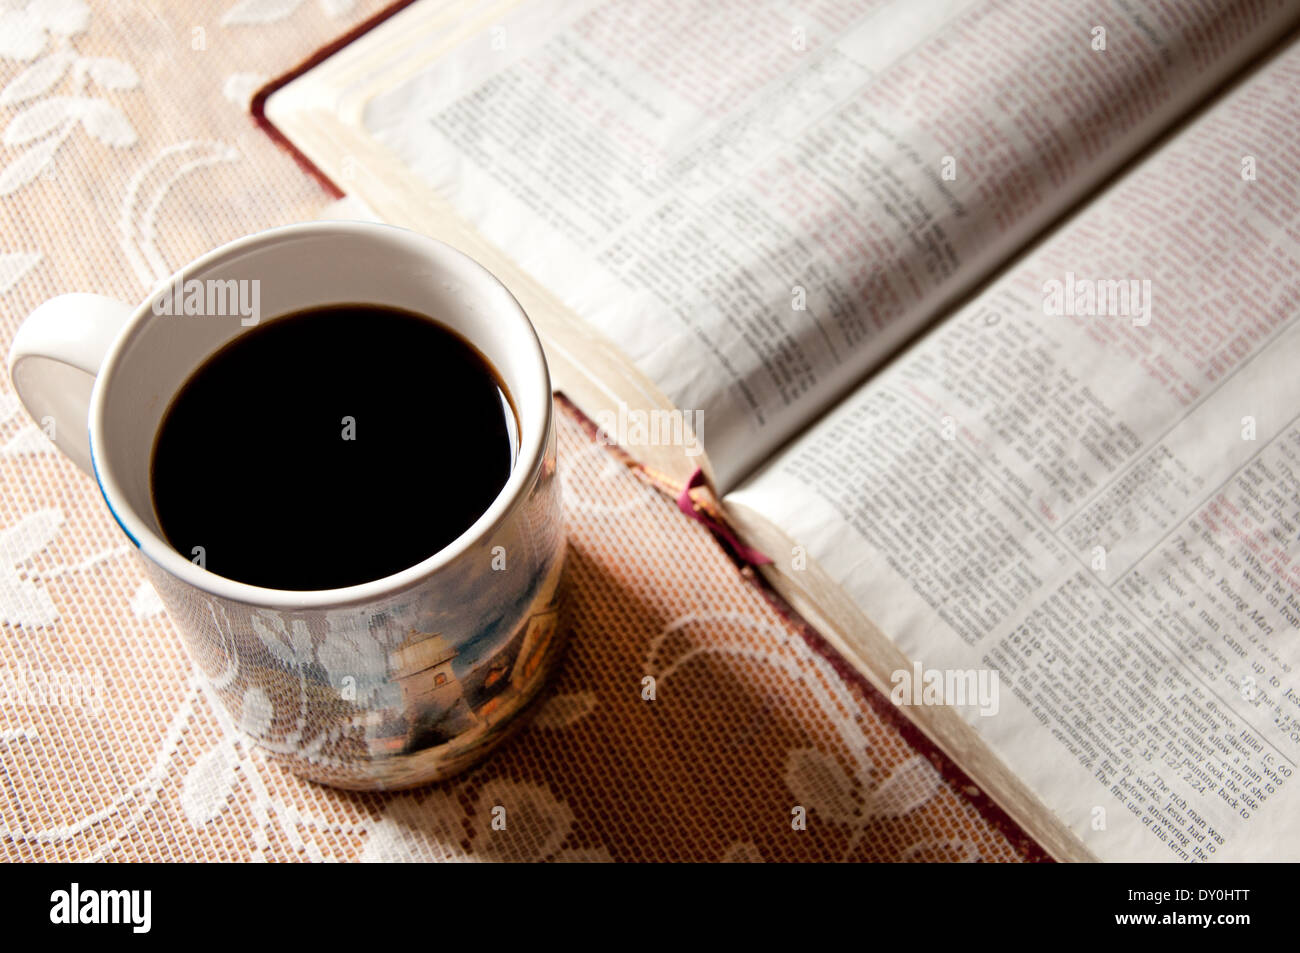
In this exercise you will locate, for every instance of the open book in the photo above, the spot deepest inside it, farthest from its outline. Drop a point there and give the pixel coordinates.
(981, 318)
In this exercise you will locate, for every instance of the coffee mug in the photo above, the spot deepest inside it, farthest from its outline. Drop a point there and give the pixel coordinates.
(382, 685)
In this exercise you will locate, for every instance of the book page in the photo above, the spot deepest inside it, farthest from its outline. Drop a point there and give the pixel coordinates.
(757, 201)
(1087, 480)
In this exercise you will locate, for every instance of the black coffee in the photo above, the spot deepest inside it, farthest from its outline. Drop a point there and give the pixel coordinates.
(331, 447)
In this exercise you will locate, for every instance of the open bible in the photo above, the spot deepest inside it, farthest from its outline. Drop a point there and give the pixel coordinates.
(981, 319)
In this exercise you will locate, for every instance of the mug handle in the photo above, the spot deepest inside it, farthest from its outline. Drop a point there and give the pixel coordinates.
(53, 361)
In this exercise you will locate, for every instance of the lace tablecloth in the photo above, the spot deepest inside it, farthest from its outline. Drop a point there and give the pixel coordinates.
(127, 150)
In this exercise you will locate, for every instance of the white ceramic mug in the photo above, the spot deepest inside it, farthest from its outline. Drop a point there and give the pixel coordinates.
(386, 684)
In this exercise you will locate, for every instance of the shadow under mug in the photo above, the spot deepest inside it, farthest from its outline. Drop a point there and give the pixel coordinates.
(388, 684)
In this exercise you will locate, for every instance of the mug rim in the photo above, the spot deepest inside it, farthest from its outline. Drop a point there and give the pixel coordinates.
(534, 411)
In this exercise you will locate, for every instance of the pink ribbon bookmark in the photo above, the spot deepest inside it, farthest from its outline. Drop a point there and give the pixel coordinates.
(712, 522)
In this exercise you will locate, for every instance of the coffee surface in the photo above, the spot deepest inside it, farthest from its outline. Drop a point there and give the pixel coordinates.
(331, 447)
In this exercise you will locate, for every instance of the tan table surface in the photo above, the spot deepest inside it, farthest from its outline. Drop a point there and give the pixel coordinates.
(127, 150)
